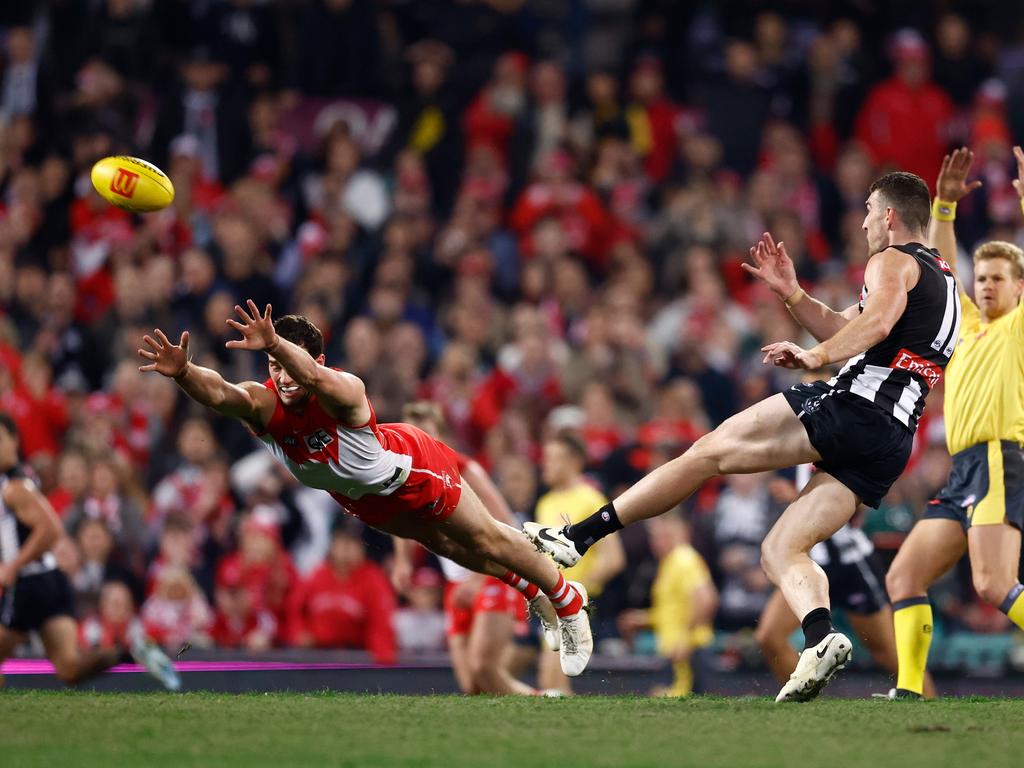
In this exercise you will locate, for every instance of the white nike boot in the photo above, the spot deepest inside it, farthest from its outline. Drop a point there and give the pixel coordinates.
(553, 542)
(542, 608)
(577, 641)
(816, 667)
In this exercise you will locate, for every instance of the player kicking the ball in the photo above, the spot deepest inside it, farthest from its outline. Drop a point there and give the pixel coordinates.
(857, 428)
(318, 422)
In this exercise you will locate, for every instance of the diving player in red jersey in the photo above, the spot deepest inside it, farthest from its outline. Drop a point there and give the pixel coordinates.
(320, 424)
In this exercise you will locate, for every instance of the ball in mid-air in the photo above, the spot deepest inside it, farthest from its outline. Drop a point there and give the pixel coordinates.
(132, 184)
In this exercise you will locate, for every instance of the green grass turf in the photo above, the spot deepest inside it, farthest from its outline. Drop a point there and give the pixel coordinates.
(44, 728)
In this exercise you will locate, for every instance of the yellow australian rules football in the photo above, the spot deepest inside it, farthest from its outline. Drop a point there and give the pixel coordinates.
(132, 184)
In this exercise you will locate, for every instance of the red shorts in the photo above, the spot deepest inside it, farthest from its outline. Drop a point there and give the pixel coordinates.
(432, 490)
(494, 596)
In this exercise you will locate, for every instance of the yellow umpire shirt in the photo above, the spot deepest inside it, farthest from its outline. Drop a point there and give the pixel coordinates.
(577, 503)
(985, 380)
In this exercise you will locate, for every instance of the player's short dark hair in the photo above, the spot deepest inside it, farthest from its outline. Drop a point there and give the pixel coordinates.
(908, 195)
(572, 443)
(299, 330)
(7, 422)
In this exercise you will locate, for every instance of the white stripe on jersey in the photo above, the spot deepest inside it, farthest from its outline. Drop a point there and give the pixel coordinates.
(8, 536)
(446, 479)
(949, 330)
(907, 404)
(849, 364)
(869, 381)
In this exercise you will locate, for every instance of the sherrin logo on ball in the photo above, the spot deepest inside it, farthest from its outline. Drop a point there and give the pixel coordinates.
(132, 184)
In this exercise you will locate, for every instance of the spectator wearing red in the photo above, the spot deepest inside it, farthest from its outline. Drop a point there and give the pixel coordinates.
(905, 120)
(39, 410)
(264, 568)
(347, 602)
(115, 623)
(237, 622)
(652, 117)
(177, 612)
(491, 118)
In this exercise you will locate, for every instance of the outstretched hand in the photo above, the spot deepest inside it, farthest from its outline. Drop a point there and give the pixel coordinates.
(165, 358)
(257, 330)
(952, 185)
(773, 267)
(786, 354)
(1018, 183)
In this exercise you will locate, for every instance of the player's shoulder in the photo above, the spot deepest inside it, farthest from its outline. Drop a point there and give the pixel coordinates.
(20, 485)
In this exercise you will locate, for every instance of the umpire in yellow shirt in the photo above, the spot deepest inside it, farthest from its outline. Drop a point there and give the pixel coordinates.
(981, 509)
(571, 495)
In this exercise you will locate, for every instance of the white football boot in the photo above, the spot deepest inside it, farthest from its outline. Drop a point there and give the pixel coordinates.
(542, 608)
(149, 655)
(577, 641)
(553, 542)
(816, 667)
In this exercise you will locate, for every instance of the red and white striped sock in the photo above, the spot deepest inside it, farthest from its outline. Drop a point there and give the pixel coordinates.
(567, 601)
(517, 582)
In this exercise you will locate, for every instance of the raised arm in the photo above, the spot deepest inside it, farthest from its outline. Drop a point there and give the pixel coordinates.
(889, 277)
(340, 394)
(951, 187)
(774, 268)
(249, 401)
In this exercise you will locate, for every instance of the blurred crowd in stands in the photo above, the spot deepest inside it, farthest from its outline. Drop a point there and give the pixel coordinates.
(531, 213)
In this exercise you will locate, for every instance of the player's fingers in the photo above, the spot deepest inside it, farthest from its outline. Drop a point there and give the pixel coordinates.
(151, 341)
(253, 309)
(244, 315)
(147, 354)
(163, 338)
(769, 241)
(973, 185)
(237, 326)
(751, 269)
(183, 343)
(266, 314)
(145, 368)
(234, 344)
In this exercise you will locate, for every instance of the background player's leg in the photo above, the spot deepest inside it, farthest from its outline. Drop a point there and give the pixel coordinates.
(767, 435)
(774, 628)
(488, 644)
(60, 638)
(995, 559)
(875, 631)
(932, 548)
(458, 651)
(821, 509)
(9, 640)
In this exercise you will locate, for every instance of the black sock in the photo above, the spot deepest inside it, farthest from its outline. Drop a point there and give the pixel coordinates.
(586, 533)
(816, 624)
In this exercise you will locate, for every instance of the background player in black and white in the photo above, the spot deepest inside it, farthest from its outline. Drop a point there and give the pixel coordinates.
(857, 428)
(36, 595)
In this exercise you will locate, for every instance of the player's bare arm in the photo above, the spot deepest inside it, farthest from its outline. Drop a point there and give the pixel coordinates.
(34, 511)
(890, 275)
(341, 394)
(773, 266)
(951, 187)
(488, 492)
(248, 401)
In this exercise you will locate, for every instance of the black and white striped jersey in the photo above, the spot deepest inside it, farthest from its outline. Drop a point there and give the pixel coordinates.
(13, 532)
(897, 373)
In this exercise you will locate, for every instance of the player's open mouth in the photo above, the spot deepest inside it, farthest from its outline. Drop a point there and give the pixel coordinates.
(288, 390)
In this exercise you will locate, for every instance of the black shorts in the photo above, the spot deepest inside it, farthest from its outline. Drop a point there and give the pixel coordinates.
(35, 599)
(985, 487)
(861, 446)
(856, 587)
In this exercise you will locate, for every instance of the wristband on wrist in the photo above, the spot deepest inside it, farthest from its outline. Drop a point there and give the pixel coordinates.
(795, 297)
(943, 210)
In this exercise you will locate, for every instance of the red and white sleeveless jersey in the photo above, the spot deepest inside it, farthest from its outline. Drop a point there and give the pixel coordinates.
(374, 471)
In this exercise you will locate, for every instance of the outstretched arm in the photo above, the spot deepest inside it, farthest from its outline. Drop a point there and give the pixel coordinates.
(889, 276)
(774, 268)
(249, 401)
(340, 394)
(951, 187)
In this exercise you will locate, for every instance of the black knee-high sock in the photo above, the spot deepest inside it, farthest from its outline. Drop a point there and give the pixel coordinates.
(586, 533)
(816, 625)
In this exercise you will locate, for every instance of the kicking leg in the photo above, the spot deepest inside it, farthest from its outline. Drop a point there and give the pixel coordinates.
(774, 628)
(767, 435)
(932, 548)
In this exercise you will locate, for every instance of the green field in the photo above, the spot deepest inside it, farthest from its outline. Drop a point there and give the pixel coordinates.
(88, 729)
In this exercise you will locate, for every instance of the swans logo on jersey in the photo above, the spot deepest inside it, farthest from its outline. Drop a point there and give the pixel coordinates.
(318, 440)
(908, 361)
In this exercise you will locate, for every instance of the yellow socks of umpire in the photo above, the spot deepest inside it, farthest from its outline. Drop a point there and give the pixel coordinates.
(1013, 605)
(912, 620)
